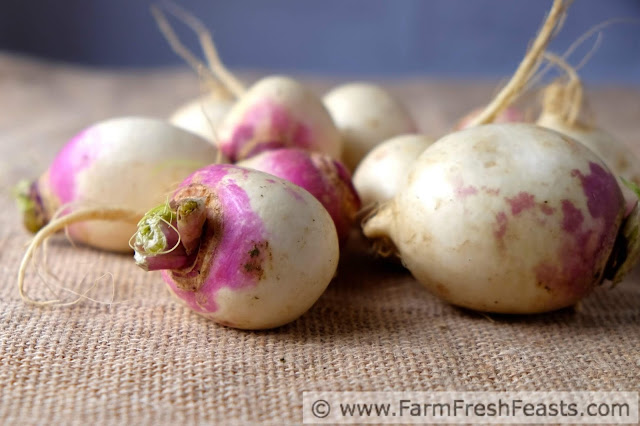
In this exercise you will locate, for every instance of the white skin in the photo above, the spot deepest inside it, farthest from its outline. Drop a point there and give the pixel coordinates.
(202, 116)
(366, 115)
(136, 164)
(278, 108)
(382, 172)
(622, 161)
(505, 218)
(296, 254)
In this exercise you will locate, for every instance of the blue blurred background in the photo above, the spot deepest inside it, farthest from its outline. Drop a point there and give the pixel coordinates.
(440, 38)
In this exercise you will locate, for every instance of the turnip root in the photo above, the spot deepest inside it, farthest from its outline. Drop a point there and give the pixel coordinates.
(365, 115)
(561, 111)
(130, 162)
(278, 112)
(244, 248)
(324, 177)
(382, 172)
(509, 218)
(203, 115)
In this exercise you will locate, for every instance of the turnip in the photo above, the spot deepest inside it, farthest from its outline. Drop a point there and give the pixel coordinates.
(509, 218)
(561, 111)
(276, 112)
(324, 177)
(244, 248)
(366, 115)
(130, 162)
(382, 172)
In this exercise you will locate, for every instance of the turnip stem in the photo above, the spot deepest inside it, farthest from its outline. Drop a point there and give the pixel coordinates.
(191, 216)
(160, 248)
(168, 234)
(30, 205)
(94, 213)
(169, 261)
(526, 68)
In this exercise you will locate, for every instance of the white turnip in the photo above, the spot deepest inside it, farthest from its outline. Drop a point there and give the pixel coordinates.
(365, 115)
(382, 172)
(509, 218)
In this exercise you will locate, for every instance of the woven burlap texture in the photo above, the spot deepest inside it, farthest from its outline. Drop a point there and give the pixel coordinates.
(146, 360)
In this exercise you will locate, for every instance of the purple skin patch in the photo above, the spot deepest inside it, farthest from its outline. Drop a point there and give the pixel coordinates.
(521, 202)
(325, 178)
(243, 246)
(78, 154)
(572, 217)
(265, 126)
(583, 253)
(546, 209)
(602, 192)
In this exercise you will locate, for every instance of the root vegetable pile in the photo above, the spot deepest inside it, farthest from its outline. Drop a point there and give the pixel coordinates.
(497, 216)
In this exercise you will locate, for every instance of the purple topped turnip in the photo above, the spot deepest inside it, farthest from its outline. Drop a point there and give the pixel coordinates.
(324, 177)
(241, 247)
(129, 162)
(278, 112)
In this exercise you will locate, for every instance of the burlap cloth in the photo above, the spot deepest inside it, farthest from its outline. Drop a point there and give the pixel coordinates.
(145, 359)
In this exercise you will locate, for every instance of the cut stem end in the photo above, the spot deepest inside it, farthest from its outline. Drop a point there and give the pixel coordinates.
(168, 235)
(27, 195)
